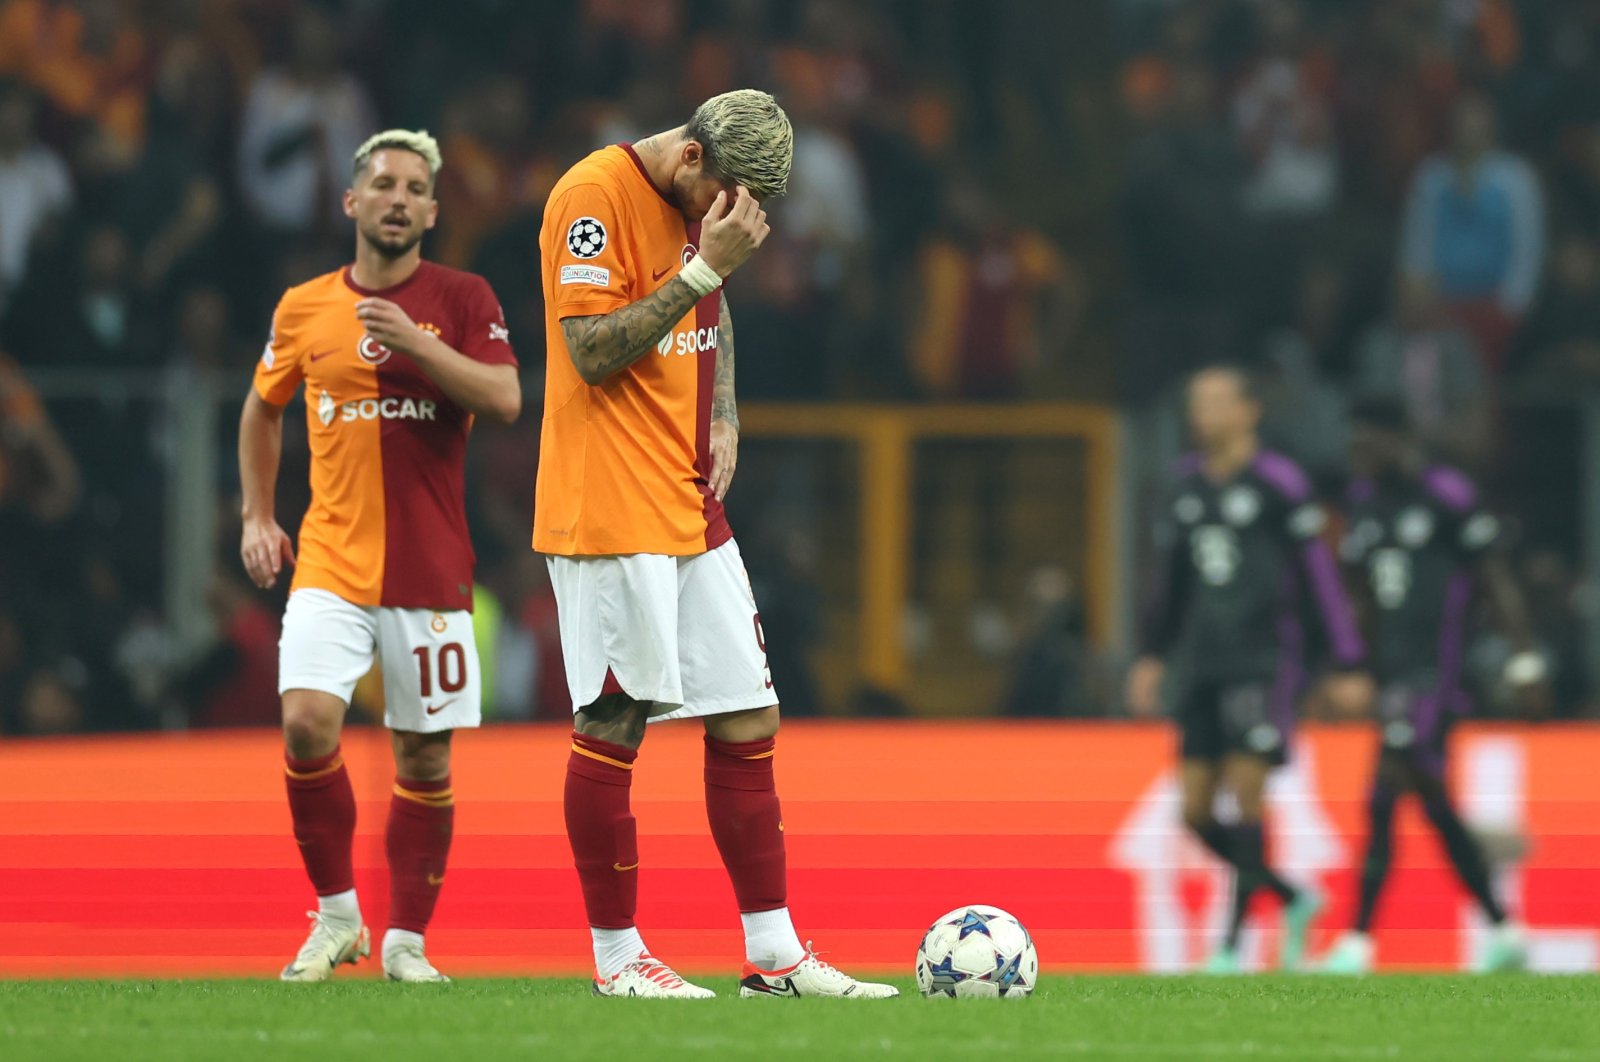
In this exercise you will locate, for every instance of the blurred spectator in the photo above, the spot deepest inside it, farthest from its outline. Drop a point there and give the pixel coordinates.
(1301, 392)
(1553, 589)
(87, 57)
(994, 301)
(302, 123)
(785, 585)
(1149, 81)
(13, 670)
(1474, 230)
(1184, 238)
(519, 676)
(85, 311)
(1054, 671)
(827, 207)
(168, 198)
(1560, 343)
(35, 188)
(1417, 355)
(236, 682)
(1397, 85)
(50, 704)
(36, 469)
(491, 175)
(552, 700)
(1282, 116)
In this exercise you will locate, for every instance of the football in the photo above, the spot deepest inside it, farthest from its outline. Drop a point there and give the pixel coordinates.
(979, 952)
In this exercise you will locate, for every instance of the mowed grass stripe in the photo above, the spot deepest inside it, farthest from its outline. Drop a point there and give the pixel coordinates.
(1544, 1019)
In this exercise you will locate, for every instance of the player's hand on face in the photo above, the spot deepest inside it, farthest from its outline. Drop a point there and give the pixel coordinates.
(389, 324)
(1144, 686)
(732, 230)
(265, 549)
(724, 456)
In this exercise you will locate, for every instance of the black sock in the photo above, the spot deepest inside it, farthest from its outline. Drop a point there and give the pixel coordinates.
(1249, 860)
(1214, 835)
(1465, 855)
(1250, 851)
(1380, 853)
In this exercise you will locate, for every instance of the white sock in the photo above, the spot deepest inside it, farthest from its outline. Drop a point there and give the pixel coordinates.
(615, 948)
(770, 942)
(341, 907)
(394, 938)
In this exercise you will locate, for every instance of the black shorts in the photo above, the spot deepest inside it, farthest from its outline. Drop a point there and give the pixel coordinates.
(1415, 721)
(1218, 719)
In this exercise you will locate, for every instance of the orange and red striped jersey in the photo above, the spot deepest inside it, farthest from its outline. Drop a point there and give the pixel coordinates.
(387, 523)
(624, 466)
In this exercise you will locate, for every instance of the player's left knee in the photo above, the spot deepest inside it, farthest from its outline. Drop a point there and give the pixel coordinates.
(758, 724)
(423, 757)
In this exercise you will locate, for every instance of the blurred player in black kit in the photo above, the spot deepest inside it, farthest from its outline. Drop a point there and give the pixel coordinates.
(1420, 547)
(1241, 562)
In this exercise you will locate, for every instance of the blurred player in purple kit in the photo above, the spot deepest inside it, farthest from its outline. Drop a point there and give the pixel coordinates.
(1241, 560)
(1421, 546)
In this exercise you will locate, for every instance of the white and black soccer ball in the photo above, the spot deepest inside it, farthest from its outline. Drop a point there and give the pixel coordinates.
(977, 952)
(586, 237)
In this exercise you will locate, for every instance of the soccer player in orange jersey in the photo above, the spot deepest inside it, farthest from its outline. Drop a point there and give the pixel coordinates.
(398, 356)
(639, 443)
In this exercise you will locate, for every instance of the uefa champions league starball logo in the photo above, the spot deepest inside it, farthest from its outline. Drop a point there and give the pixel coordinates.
(586, 237)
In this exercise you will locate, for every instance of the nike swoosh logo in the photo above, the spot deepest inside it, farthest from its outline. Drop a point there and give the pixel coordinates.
(435, 709)
(435, 879)
(324, 354)
(620, 867)
(783, 986)
(657, 274)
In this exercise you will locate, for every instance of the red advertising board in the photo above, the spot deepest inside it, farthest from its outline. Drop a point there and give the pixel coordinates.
(171, 854)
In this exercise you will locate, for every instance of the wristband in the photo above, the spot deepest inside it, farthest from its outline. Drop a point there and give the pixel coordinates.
(700, 276)
(1526, 668)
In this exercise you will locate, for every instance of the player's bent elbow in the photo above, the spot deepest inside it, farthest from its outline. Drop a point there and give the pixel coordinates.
(592, 374)
(508, 406)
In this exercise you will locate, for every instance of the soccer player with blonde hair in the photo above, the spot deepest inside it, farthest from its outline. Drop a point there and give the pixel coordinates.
(640, 439)
(398, 356)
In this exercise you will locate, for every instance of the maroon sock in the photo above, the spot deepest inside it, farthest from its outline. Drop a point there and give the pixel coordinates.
(602, 830)
(422, 817)
(323, 807)
(746, 821)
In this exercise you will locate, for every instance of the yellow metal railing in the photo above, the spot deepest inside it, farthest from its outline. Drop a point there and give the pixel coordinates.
(884, 438)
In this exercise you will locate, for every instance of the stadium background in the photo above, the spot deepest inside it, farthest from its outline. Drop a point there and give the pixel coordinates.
(1014, 227)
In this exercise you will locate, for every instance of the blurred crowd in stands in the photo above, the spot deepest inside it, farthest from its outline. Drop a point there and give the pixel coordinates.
(990, 202)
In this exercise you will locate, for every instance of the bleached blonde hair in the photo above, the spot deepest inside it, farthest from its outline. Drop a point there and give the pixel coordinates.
(747, 138)
(416, 141)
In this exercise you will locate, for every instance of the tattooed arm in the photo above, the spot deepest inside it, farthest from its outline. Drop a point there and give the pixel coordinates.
(724, 411)
(723, 406)
(603, 345)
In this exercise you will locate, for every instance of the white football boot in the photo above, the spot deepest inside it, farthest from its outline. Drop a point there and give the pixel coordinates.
(1505, 952)
(1352, 955)
(809, 977)
(328, 945)
(407, 962)
(649, 978)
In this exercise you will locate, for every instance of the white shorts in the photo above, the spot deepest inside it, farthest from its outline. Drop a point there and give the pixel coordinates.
(681, 632)
(429, 659)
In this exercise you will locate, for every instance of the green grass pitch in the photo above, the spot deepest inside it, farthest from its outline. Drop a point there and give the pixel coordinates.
(1547, 1019)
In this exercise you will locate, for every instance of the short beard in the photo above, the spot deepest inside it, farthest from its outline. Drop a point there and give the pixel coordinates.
(391, 251)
